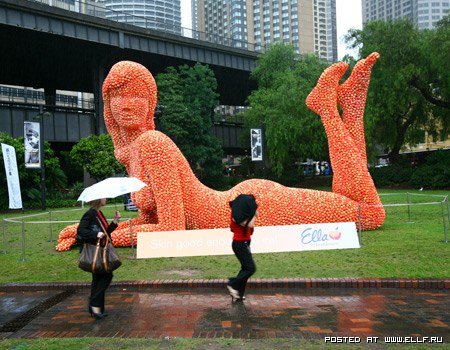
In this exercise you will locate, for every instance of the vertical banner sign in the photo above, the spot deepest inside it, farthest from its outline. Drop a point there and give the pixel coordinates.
(256, 144)
(12, 176)
(31, 138)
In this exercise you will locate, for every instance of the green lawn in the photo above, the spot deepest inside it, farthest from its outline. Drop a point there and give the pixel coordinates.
(409, 245)
(197, 344)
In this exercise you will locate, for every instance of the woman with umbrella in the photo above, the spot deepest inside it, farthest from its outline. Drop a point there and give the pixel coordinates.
(93, 227)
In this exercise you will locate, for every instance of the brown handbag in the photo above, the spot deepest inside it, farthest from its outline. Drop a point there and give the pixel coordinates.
(97, 259)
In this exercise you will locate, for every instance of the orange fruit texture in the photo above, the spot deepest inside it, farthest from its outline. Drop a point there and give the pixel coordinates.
(174, 199)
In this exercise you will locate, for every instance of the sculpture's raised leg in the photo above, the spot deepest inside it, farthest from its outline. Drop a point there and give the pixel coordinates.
(350, 173)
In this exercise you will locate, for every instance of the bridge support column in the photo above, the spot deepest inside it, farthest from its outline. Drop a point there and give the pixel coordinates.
(98, 77)
(50, 98)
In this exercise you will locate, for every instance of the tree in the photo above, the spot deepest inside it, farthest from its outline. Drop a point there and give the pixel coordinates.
(435, 86)
(96, 155)
(187, 98)
(409, 85)
(292, 131)
(30, 179)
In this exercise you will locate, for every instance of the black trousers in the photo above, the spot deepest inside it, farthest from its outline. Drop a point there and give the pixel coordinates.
(248, 267)
(100, 282)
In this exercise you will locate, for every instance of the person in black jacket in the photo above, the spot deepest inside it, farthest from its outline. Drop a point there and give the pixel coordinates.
(244, 211)
(89, 231)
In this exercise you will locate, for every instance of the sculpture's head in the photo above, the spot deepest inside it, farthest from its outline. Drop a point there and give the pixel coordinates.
(129, 95)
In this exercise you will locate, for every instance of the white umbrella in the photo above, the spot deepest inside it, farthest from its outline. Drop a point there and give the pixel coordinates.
(111, 187)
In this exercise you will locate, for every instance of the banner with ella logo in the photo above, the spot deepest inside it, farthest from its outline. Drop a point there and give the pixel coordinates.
(266, 239)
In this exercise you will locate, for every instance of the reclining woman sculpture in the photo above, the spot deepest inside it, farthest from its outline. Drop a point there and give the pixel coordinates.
(176, 200)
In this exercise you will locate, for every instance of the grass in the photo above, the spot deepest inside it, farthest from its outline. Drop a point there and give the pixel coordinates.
(409, 245)
(200, 344)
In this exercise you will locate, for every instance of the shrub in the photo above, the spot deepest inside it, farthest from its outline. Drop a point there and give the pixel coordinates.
(62, 203)
(224, 183)
(434, 173)
(391, 175)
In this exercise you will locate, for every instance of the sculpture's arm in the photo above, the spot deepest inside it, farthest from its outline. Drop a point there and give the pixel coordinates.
(159, 169)
(154, 162)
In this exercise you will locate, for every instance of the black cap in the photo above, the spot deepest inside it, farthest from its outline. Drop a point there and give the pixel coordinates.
(243, 207)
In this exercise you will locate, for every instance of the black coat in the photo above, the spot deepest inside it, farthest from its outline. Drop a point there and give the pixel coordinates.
(89, 227)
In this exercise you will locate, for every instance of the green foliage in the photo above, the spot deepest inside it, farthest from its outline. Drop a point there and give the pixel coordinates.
(76, 189)
(224, 183)
(30, 179)
(188, 98)
(292, 132)
(436, 85)
(279, 58)
(435, 173)
(61, 203)
(391, 175)
(54, 175)
(410, 83)
(96, 155)
(73, 171)
(247, 167)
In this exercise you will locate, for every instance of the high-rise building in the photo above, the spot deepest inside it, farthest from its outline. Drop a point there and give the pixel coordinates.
(309, 25)
(154, 14)
(325, 36)
(193, 14)
(423, 13)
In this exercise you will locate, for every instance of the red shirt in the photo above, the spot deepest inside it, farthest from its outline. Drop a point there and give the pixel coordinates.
(241, 234)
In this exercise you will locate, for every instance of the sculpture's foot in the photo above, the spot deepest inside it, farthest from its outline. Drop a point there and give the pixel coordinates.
(353, 92)
(323, 98)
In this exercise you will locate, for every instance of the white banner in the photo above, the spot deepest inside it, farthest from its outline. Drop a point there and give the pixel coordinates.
(31, 132)
(266, 239)
(12, 176)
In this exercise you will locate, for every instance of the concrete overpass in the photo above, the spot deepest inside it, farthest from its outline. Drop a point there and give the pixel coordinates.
(56, 49)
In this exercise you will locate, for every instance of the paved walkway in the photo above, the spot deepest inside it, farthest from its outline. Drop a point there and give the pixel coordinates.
(156, 313)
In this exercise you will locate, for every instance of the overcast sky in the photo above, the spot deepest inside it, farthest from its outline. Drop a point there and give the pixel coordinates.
(348, 16)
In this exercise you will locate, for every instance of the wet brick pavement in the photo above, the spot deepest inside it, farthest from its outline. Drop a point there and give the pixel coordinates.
(310, 314)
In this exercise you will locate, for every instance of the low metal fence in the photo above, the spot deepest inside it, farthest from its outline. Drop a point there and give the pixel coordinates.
(15, 231)
(423, 212)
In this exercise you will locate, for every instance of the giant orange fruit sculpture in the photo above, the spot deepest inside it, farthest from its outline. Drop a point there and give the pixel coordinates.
(176, 200)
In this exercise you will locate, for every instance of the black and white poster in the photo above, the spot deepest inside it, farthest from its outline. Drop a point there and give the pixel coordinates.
(32, 145)
(256, 144)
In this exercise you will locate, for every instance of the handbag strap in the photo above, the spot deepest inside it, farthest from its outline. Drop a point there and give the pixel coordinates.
(94, 260)
(104, 231)
(108, 241)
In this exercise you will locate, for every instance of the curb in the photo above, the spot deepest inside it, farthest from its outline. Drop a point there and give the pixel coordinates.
(258, 283)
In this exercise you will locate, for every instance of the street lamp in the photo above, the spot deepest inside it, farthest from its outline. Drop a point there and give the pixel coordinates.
(40, 119)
